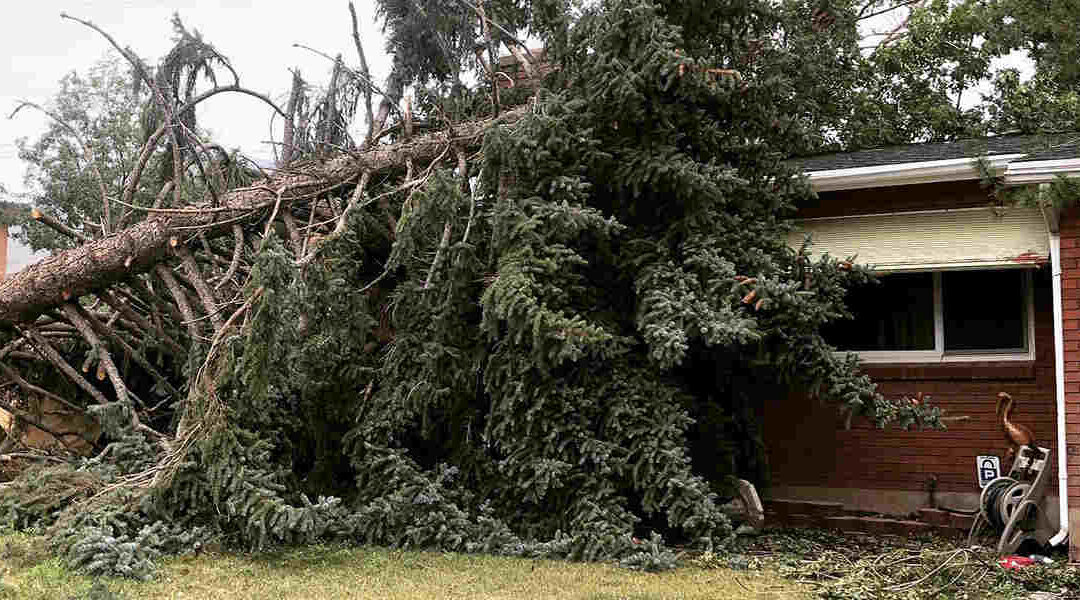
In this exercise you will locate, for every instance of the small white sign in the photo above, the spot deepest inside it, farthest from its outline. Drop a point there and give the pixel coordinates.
(987, 469)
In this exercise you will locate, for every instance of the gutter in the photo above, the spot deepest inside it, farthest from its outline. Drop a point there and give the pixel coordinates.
(1040, 171)
(933, 171)
(1010, 167)
(1059, 369)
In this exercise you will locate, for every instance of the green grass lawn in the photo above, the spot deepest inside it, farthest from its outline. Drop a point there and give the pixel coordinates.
(27, 572)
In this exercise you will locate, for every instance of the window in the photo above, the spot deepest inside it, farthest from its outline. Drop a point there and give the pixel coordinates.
(985, 311)
(940, 316)
(896, 314)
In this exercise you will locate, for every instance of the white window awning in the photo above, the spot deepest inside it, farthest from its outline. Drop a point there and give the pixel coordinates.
(932, 240)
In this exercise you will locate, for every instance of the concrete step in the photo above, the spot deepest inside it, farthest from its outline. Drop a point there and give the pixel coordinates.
(878, 525)
(942, 518)
(781, 512)
(782, 507)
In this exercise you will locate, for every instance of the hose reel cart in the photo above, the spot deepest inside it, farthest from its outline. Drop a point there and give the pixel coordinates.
(1011, 504)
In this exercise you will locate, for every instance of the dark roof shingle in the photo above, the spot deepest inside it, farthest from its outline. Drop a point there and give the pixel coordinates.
(1036, 146)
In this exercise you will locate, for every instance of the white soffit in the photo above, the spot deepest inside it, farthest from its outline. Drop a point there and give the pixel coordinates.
(931, 240)
(953, 169)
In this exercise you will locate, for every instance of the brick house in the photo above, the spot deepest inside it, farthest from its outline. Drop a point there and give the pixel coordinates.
(13, 254)
(968, 306)
(3, 250)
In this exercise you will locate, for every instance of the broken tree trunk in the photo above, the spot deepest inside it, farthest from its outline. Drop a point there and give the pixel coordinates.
(97, 264)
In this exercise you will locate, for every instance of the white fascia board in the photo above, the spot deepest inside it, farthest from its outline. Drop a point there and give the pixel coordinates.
(1041, 171)
(933, 171)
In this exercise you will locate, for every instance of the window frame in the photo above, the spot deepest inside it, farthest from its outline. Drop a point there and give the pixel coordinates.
(938, 354)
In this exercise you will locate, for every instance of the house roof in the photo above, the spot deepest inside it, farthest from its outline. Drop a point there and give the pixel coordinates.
(1016, 159)
(1034, 147)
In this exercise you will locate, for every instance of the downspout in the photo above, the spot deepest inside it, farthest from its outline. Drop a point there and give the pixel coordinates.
(1059, 369)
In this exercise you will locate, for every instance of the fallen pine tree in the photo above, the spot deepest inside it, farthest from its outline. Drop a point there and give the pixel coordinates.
(534, 331)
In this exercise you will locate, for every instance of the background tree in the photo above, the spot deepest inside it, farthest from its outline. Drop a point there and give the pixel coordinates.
(94, 128)
(945, 74)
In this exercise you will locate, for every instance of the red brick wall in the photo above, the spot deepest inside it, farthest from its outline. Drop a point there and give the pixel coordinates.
(809, 446)
(1070, 296)
(3, 250)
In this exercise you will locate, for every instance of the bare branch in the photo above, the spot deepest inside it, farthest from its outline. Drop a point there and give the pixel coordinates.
(190, 135)
(33, 389)
(46, 350)
(196, 278)
(55, 224)
(493, 57)
(521, 54)
(160, 198)
(273, 217)
(900, 4)
(294, 234)
(159, 97)
(443, 245)
(366, 77)
(352, 72)
(136, 173)
(238, 249)
(234, 89)
(898, 32)
(139, 358)
(95, 342)
(289, 145)
(343, 220)
(308, 232)
(118, 305)
(180, 298)
(516, 46)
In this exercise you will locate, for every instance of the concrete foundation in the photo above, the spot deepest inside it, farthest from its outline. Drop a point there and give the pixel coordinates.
(903, 502)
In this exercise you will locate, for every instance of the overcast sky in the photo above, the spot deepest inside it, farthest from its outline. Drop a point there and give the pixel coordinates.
(257, 37)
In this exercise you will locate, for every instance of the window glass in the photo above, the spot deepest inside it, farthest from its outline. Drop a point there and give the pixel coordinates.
(985, 310)
(897, 313)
